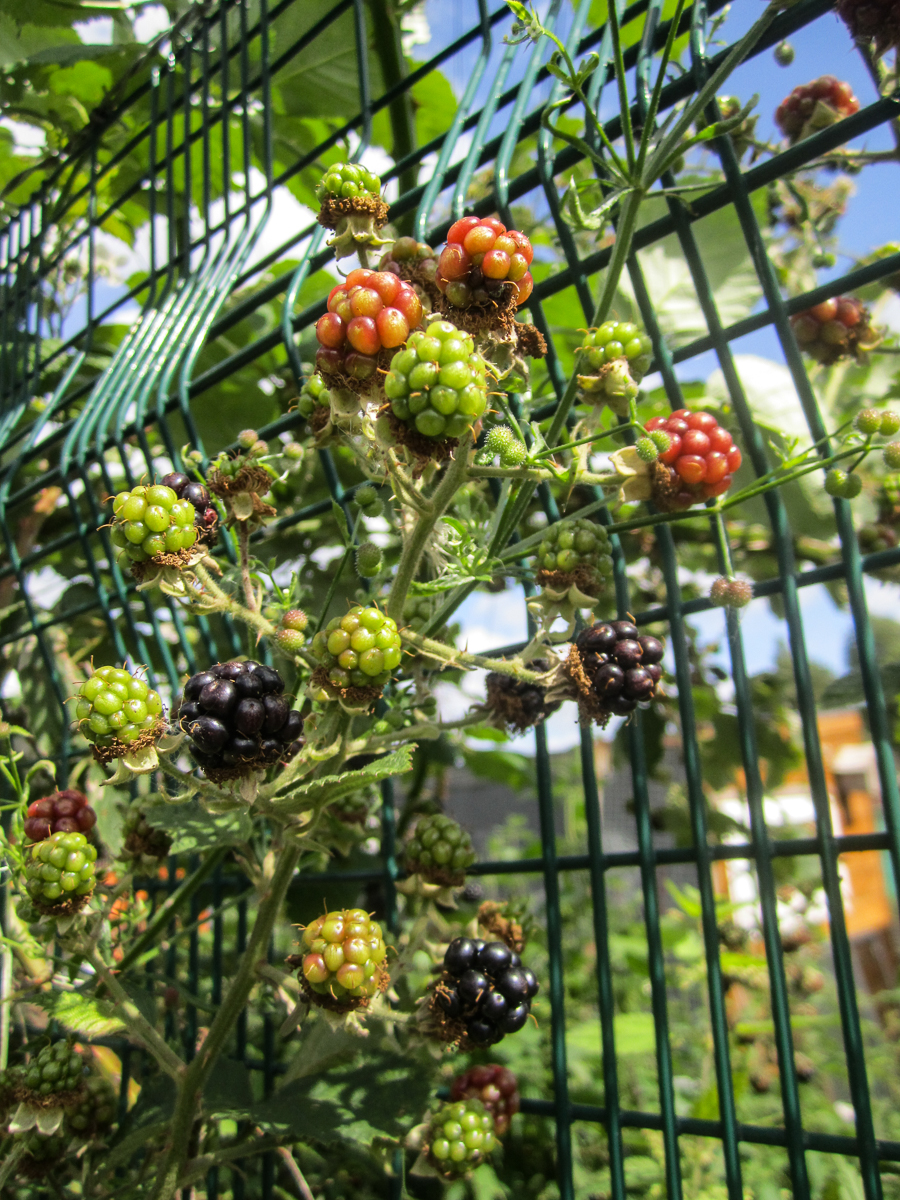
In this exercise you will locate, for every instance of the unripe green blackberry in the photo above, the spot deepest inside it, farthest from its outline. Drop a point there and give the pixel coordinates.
(314, 394)
(59, 877)
(247, 438)
(439, 851)
(890, 424)
(116, 709)
(438, 384)
(417, 611)
(149, 522)
(343, 958)
(365, 495)
(358, 650)
(460, 1136)
(868, 421)
(369, 560)
(647, 450)
(347, 181)
(661, 440)
(293, 452)
(619, 339)
(291, 641)
(144, 847)
(577, 548)
(295, 618)
(42, 1154)
(784, 54)
(95, 1112)
(891, 454)
(56, 1070)
(836, 480)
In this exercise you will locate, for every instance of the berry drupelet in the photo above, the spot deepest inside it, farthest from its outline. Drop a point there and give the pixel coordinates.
(369, 312)
(151, 524)
(835, 329)
(358, 650)
(460, 1136)
(815, 106)
(238, 720)
(700, 460)
(342, 964)
(485, 264)
(62, 812)
(437, 385)
(118, 712)
(622, 667)
(484, 992)
(439, 851)
(55, 1074)
(497, 1089)
(516, 704)
(59, 876)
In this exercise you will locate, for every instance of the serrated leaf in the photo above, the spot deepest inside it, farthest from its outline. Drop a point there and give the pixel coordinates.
(340, 518)
(331, 787)
(82, 1014)
(193, 829)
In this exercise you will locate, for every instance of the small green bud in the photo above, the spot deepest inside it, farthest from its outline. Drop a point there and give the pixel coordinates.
(890, 424)
(853, 486)
(259, 448)
(836, 479)
(293, 451)
(373, 510)
(661, 440)
(892, 455)
(368, 560)
(290, 640)
(295, 618)
(514, 454)
(246, 438)
(784, 54)
(500, 438)
(646, 449)
(365, 495)
(868, 421)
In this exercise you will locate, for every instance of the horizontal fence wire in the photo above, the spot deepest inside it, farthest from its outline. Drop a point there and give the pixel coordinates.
(199, 120)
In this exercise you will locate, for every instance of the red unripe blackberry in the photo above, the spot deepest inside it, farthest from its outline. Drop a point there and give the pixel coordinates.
(484, 263)
(497, 1089)
(835, 329)
(369, 312)
(701, 459)
(343, 959)
(814, 106)
(62, 812)
(875, 21)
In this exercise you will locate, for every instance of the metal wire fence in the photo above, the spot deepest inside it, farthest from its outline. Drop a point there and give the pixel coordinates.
(114, 411)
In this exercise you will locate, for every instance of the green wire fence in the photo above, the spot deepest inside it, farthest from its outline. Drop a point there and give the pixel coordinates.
(202, 118)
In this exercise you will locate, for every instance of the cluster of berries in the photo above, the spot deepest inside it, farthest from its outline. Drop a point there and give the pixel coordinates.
(701, 456)
(577, 548)
(815, 106)
(484, 263)
(440, 851)
(205, 515)
(497, 1089)
(875, 21)
(313, 395)
(416, 263)
(516, 704)
(438, 384)
(369, 312)
(485, 990)
(143, 846)
(347, 181)
(358, 650)
(460, 1136)
(116, 709)
(342, 960)
(731, 593)
(616, 340)
(150, 523)
(622, 667)
(291, 634)
(56, 1070)
(62, 812)
(237, 718)
(834, 329)
(59, 877)
(95, 1111)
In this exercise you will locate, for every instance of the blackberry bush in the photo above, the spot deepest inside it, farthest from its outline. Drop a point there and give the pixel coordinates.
(118, 712)
(699, 463)
(497, 1089)
(484, 265)
(814, 106)
(55, 1075)
(59, 875)
(357, 653)
(369, 314)
(152, 525)
(437, 385)
(440, 851)
(616, 668)
(343, 964)
(835, 329)
(483, 994)
(63, 812)
(460, 1136)
(238, 720)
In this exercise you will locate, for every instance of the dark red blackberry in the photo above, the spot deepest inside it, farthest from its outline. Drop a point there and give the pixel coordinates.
(207, 518)
(515, 704)
(835, 329)
(237, 719)
(814, 106)
(484, 992)
(621, 667)
(62, 812)
(497, 1089)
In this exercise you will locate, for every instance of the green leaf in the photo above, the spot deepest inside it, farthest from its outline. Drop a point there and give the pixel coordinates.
(330, 787)
(81, 1014)
(848, 690)
(193, 829)
(228, 1088)
(501, 766)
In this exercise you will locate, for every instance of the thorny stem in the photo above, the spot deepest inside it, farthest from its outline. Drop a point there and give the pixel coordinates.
(243, 539)
(228, 604)
(448, 654)
(140, 1027)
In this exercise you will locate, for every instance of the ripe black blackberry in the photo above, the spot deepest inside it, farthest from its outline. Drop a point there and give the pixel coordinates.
(518, 705)
(207, 518)
(483, 994)
(237, 719)
(617, 668)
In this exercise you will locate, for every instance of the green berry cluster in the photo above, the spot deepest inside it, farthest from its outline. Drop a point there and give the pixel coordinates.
(577, 545)
(438, 384)
(347, 181)
(96, 1110)
(149, 522)
(417, 611)
(461, 1134)
(843, 485)
(439, 850)
(392, 720)
(114, 706)
(342, 953)
(619, 339)
(314, 394)
(366, 498)
(502, 442)
(61, 870)
(42, 1154)
(55, 1069)
(359, 649)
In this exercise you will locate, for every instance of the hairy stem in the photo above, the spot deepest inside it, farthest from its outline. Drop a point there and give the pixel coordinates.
(226, 603)
(449, 654)
(243, 538)
(139, 1026)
